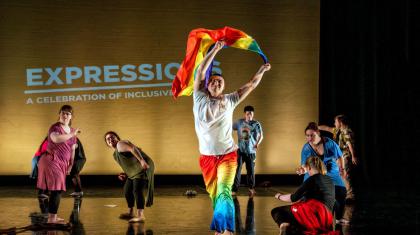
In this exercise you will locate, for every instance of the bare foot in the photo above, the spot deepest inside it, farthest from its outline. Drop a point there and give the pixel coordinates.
(57, 221)
(137, 220)
(126, 216)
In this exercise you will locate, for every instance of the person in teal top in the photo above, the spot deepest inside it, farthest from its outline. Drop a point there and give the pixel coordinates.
(329, 152)
(138, 175)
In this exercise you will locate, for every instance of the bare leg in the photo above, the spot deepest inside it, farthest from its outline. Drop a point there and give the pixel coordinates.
(283, 228)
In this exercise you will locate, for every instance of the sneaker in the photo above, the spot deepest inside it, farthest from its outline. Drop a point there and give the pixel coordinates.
(76, 194)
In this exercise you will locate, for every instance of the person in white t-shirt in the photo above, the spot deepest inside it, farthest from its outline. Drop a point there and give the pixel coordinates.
(213, 114)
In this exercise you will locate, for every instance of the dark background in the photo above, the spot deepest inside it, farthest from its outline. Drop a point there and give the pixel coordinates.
(369, 55)
(369, 58)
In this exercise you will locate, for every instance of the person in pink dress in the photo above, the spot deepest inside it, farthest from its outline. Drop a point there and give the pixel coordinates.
(57, 160)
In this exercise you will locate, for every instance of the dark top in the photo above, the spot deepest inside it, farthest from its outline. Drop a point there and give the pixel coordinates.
(131, 165)
(80, 152)
(319, 187)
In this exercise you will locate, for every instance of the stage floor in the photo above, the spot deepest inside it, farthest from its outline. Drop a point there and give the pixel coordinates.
(172, 213)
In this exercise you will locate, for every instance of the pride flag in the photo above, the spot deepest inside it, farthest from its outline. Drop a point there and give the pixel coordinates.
(200, 41)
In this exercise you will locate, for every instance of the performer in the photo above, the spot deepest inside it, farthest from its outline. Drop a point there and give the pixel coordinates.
(56, 163)
(250, 135)
(326, 149)
(138, 175)
(345, 140)
(313, 213)
(213, 114)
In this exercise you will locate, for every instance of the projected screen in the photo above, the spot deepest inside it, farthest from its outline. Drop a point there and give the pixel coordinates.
(114, 62)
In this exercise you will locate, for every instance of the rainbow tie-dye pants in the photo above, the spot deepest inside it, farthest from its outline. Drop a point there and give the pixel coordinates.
(219, 173)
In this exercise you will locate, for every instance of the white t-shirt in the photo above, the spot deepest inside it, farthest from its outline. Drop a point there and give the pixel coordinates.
(213, 122)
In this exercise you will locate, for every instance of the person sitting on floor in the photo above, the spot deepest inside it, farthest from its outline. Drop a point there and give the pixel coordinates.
(311, 212)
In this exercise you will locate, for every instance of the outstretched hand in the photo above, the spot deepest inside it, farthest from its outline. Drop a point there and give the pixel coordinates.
(300, 170)
(122, 176)
(76, 131)
(219, 45)
(265, 67)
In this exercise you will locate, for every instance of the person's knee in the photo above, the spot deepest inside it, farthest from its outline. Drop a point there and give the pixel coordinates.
(274, 213)
(284, 227)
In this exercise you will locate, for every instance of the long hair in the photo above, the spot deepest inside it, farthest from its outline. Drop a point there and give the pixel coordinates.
(316, 163)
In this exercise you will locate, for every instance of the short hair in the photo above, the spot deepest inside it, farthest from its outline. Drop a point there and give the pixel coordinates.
(216, 74)
(248, 108)
(112, 133)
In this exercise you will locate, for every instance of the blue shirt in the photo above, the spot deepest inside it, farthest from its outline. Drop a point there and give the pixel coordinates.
(331, 153)
(248, 133)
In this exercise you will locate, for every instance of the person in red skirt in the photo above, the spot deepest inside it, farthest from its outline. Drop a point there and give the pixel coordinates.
(311, 212)
(57, 161)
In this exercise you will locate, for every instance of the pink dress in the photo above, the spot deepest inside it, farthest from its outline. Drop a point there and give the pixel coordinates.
(54, 164)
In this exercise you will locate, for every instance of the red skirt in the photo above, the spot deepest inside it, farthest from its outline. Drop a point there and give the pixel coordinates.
(314, 217)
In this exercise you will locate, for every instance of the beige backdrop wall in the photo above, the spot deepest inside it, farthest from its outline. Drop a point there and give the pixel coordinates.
(102, 51)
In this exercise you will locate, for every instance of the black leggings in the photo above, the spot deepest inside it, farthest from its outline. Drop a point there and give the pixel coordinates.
(76, 183)
(340, 200)
(283, 214)
(54, 201)
(135, 190)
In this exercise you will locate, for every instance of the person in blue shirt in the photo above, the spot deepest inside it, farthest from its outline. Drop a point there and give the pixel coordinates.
(250, 135)
(330, 153)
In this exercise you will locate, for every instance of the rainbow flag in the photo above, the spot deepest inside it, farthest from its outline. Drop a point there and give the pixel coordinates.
(200, 41)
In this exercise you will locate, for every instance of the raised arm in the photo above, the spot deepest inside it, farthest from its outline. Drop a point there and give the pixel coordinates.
(244, 91)
(326, 128)
(202, 68)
